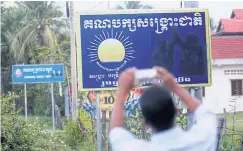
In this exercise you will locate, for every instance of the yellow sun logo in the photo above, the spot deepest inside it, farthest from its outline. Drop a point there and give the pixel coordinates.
(110, 48)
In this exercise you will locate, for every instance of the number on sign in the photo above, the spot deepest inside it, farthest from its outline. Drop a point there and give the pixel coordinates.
(109, 99)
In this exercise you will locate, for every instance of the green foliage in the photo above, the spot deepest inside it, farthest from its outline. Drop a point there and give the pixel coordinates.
(41, 104)
(48, 141)
(82, 95)
(230, 143)
(49, 55)
(72, 135)
(87, 145)
(181, 120)
(7, 26)
(35, 28)
(16, 135)
(20, 135)
(136, 125)
(85, 117)
(33, 32)
(133, 5)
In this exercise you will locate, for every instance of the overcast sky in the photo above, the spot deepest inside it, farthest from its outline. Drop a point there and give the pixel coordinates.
(218, 9)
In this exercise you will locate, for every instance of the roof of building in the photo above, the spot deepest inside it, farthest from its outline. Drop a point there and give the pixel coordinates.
(227, 47)
(237, 14)
(232, 25)
(227, 42)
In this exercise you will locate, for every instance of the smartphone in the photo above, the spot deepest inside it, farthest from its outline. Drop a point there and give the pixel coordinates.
(145, 75)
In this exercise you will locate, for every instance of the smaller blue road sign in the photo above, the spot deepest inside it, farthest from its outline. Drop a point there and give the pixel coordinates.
(41, 73)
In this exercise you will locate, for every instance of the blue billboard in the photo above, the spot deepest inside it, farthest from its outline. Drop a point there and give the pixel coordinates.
(39, 73)
(110, 42)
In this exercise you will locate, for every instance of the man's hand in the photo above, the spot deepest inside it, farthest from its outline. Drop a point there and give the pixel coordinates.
(125, 84)
(169, 80)
(126, 81)
(167, 77)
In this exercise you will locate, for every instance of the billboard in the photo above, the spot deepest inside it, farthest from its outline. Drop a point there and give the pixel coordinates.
(107, 99)
(110, 42)
(39, 73)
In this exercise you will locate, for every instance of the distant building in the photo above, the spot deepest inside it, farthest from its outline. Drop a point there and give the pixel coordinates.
(227, 65)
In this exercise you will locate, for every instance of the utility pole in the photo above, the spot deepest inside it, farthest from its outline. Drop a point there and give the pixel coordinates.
(73, 64)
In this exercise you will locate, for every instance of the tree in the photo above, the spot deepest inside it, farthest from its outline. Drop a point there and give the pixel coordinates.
(32, 32)
(133, 5)
(10, 21)
(25, 27)
(36, 28)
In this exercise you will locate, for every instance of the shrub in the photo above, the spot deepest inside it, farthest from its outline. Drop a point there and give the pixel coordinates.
(16, 135)
(135, 124)
(230, 142)
(181, 120)
(48, 141)
(72, 134)
(21, 135)
(83, 115)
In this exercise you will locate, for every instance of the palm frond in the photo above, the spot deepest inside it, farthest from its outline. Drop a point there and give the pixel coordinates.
(134, 5)
(21, 39)
(118, 7)
(147, 7)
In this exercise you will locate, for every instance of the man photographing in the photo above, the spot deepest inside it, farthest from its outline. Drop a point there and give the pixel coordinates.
(159, 113)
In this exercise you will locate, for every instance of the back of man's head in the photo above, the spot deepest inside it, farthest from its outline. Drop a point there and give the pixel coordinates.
(158, 108)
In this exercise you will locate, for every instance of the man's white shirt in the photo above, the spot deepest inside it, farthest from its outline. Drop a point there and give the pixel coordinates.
(201, 137)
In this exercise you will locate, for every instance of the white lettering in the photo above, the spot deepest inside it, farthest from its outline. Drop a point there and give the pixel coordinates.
(197, 20)
(49, 70)
(40, 77)
(161, 24)
(178, 79)
(29, 77)
(28, 70)
(48, 76)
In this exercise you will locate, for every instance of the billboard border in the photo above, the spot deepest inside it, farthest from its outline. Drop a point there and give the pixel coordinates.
(139, 11)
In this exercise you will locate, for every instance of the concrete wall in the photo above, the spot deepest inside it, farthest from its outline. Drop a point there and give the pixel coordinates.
(218, 95)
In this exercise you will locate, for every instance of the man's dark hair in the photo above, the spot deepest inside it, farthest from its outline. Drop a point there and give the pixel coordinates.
(158, 108)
